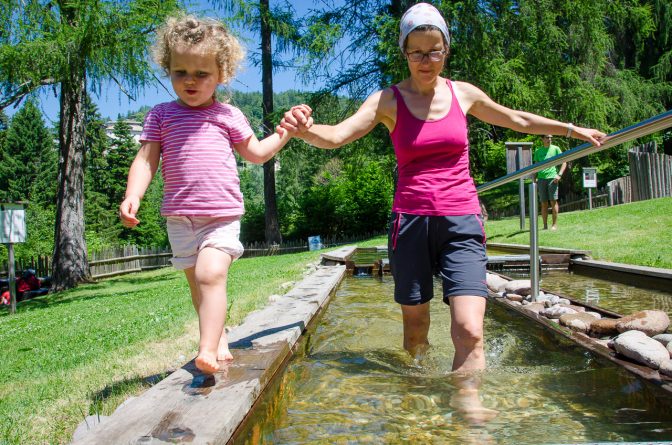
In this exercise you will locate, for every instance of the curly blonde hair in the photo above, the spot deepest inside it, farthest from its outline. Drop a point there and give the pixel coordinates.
(209, 35)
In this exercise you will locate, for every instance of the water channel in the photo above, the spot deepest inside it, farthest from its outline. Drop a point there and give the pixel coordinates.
(353, 383)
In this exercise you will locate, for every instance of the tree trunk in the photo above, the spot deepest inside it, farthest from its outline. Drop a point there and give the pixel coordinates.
(70, 262)
(272, 230)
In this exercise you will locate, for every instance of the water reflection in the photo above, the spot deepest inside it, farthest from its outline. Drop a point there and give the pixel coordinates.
(356, 384)
(616, 297)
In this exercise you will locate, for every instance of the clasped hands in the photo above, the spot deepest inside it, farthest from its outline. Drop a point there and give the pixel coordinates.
(296, 121)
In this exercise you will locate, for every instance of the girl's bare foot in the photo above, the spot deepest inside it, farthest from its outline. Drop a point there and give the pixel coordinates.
(207, 362)
(223, 353)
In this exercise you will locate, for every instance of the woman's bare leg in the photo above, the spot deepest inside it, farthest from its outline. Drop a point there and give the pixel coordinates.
(466, 329)
(416, 328)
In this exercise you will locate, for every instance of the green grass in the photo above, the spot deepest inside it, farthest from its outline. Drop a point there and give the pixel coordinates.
(638, 233)
(84, 351)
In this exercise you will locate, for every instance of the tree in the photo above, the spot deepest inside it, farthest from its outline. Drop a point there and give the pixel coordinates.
(119, 157)
(280, 23)
(101, 221)
(75, 46)
(27, 161)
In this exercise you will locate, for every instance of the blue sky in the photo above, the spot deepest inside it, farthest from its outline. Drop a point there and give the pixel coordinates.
(113, 102)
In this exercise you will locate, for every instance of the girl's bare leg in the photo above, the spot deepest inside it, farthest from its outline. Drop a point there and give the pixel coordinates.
(223, 353)
(208, 283)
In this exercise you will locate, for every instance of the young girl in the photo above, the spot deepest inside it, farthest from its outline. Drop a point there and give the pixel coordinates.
(195, 137)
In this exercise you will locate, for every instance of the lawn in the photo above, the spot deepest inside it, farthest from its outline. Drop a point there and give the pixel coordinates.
(636, 233)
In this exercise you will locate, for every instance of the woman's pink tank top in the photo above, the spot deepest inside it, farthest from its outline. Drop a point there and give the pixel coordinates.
(433, 163)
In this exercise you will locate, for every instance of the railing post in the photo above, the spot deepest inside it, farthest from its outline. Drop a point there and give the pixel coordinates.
(521, 186)
(534, 245)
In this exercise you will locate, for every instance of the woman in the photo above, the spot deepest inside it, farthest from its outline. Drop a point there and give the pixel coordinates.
(436, 221)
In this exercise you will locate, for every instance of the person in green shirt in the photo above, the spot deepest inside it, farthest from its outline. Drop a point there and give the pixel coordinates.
(547, 181)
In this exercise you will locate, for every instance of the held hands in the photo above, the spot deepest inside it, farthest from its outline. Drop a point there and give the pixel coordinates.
(127, 211)
(296, 121)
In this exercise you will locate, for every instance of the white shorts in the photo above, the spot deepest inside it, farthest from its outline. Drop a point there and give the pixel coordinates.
(189, 234)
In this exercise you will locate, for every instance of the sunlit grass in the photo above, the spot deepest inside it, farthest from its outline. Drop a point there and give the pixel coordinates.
(638, 233)
(84, 351)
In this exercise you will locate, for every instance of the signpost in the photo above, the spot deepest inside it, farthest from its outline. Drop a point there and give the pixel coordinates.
(590, 182)
(12, 230)
(519, 155)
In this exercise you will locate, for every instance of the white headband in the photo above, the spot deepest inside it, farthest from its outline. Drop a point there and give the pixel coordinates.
(419, 15)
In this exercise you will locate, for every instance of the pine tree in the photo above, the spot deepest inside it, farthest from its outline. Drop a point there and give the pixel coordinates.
(99, 210)
(123, 149)
(28, 157)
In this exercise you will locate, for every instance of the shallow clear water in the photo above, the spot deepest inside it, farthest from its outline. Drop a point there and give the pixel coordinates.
(354, 384)
(616, 297)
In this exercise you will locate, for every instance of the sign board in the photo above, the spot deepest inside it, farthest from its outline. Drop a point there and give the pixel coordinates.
(512, 164)
(589, 177)
(314, 243)
(12, 223)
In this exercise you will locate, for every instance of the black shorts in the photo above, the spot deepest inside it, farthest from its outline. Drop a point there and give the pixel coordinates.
(451, 246)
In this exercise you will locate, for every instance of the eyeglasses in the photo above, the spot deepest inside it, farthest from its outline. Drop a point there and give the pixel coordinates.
(547, 137)
(419, 56)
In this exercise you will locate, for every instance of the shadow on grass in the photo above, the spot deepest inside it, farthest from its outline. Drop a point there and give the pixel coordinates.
(103, 287)
(509, 235)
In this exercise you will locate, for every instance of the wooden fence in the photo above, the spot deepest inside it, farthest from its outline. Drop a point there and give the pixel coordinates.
(650, 176)
(127, 259)
(41, 265)
(620, 190)
(650, 173)
(265, 249)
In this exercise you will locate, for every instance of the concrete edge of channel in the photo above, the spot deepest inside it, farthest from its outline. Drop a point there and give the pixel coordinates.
(187, 406)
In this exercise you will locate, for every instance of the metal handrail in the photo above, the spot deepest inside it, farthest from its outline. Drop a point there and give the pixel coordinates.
(643, 128)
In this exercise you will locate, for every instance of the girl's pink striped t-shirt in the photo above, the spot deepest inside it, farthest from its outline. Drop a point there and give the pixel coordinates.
(433, 163)
(198, 164)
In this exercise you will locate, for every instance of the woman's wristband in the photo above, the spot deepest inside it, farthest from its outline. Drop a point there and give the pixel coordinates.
(570, 128)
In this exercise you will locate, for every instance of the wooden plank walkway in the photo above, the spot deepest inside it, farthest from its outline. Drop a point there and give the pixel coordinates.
(190, 407)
